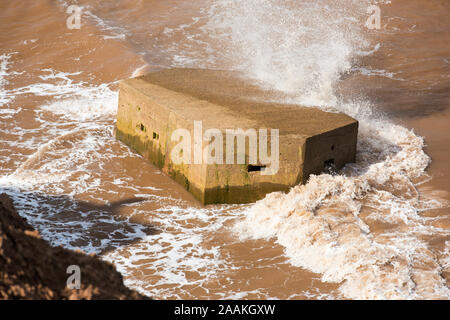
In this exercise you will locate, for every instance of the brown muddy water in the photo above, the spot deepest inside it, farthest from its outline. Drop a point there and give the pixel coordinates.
(378, 229)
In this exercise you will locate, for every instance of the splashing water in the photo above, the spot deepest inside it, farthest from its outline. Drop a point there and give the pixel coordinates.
(361, 228)
(298, 47)
(302, 49)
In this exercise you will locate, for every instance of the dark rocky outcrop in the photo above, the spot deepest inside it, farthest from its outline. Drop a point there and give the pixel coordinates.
(31, 269)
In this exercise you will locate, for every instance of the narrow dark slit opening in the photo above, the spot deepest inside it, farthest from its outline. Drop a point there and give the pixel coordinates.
(155, 135)
(252, 168)
(329, 167)
(142, 127)
(329, 163)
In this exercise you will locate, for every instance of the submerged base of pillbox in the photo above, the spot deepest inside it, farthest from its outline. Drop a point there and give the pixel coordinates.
(216, 134)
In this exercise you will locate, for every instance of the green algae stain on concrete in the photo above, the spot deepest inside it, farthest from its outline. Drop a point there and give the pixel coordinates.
(153, 106)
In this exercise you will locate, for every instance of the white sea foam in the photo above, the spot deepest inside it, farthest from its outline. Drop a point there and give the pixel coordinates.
(140, 71)
(169, 256)
(376, 72)
(320, 227)
(113, 31)
(4, 66)
(301, 48)
(46, 188)
(73, 100)
(89, 103)
(71, 143)
(298, 47)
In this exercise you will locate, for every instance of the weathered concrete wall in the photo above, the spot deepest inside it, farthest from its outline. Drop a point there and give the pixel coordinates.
(337, 147)
(146, 127)
(236, 184)
(153, 106)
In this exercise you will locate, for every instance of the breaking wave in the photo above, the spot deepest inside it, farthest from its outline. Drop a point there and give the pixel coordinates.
(327, 226)
(362, 228)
